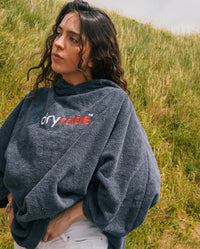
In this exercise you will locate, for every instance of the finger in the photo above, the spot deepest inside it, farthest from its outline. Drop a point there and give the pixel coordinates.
(45, 238)
(51, 237)
(10, 217)
(10, 222)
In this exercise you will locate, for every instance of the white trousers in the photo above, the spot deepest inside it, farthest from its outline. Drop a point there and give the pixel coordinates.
(81, 235)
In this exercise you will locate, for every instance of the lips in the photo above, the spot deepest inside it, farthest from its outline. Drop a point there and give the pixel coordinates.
(57, 57)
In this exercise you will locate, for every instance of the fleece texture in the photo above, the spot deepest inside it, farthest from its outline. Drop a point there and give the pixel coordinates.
(73, 143)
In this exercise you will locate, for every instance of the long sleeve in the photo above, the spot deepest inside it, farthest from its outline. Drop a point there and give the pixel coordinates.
(5, 134)
(77, 143)
(127, 182)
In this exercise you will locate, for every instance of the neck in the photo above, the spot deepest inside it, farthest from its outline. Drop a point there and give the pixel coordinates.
(77, 77)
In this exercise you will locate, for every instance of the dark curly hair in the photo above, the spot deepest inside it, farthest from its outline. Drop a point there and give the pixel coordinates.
(99, 30)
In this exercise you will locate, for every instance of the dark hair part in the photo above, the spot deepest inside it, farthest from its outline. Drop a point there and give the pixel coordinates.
(98, 29)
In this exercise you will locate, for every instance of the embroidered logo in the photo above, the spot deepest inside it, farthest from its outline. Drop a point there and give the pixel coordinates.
(60, 120)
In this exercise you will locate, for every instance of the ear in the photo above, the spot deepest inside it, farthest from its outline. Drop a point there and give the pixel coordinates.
(90, 63)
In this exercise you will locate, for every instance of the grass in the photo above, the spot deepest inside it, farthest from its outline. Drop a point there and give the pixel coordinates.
(163, 71)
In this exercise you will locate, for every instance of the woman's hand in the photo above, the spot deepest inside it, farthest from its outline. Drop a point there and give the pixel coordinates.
(9, 209)
(10, 217)
(62, 221)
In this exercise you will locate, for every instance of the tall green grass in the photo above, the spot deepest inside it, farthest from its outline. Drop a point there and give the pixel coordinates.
(163, 71)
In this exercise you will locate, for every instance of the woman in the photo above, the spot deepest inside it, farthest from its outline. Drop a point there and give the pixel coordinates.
(75, 163)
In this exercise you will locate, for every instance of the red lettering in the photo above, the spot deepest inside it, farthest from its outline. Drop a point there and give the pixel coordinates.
(68, 121)
(86, 120)
(77, 120)
(60, 122)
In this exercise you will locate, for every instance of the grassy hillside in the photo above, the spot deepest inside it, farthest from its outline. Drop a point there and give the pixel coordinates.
(163, 71)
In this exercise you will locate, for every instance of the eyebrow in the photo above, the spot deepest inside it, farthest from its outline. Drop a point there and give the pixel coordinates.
(69, 31)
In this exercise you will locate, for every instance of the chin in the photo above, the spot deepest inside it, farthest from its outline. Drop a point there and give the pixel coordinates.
(55, 69)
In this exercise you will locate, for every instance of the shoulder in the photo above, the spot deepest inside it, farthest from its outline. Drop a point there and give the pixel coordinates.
(41, 94)
(41, 91)
(114, 90)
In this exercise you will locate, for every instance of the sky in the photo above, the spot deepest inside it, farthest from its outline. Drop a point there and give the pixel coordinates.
(178, 16)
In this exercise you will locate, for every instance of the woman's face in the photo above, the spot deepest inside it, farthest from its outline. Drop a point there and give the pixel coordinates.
(65, 51)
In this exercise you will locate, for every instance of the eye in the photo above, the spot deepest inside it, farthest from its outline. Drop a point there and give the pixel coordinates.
(74, 40)
(58, 33)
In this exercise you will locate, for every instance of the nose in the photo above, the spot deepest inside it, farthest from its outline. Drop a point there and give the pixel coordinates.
(59, 42)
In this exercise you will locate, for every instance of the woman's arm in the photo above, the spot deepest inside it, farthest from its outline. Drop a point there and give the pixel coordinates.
(5, 134)
(62, 221)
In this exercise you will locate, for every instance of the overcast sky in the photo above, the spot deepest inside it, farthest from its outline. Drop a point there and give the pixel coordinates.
(179, 16)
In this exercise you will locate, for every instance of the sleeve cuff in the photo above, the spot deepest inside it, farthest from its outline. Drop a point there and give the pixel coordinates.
(86, 210)
(3, 202)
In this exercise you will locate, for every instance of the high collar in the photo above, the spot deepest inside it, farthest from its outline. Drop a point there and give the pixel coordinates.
(63, 87)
